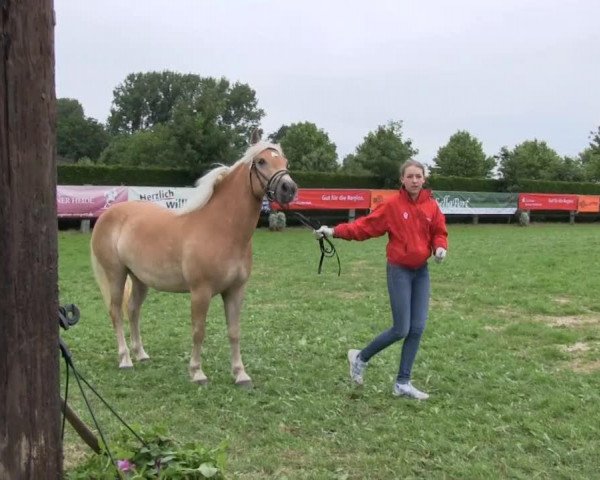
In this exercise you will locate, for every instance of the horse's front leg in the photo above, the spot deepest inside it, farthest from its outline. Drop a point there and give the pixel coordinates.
(200, 303)
(232, 300)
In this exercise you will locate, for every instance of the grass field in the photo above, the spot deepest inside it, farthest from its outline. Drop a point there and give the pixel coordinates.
(511, 358)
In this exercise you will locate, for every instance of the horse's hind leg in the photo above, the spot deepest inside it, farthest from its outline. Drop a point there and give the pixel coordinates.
(200, 303)
(117, 285)
(138, 294)
(232, 300)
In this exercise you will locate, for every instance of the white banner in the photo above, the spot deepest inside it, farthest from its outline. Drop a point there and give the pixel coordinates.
(172, 198)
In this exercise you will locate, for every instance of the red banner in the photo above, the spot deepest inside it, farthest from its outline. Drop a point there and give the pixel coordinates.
(588, 203)
(87, 202)
(547, 201)
(326, 199)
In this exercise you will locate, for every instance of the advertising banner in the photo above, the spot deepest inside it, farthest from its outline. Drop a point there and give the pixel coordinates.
(329, 199)
(476, 203)
(588, 203)
(87, 202)
(172, 198)
(380, 196)
(548, 201)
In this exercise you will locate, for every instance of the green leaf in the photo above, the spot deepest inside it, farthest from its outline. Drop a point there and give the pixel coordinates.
(208, 470)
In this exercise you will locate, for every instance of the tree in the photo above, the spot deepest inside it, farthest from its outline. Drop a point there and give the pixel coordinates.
(570, 170)
(30, 443)
(204, 119)
(595, 141)
(590, 164)
(276, 137)
(381, 154)
(530, 160)
(78, 136)
(146, 99)
(308, 148)
(463, 156)
(157, 147)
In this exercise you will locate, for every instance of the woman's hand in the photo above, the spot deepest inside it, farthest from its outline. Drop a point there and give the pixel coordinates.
(440, 254)
(323, 231)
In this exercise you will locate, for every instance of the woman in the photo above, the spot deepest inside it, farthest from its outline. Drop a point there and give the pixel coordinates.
(416, 228)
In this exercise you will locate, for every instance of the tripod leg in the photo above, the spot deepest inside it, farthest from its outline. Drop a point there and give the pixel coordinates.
(81, 428)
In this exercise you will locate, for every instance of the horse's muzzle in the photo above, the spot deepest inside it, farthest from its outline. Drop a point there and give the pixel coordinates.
(286, 190)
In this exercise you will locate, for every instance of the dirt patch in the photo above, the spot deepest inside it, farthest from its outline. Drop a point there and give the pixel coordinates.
(578, 362)
(578, 347)
(569, 321)
(350, 295)
(443, 304)
(507, 312)
(561, 300)
(582, 366)
(74, 455)
(494, 328)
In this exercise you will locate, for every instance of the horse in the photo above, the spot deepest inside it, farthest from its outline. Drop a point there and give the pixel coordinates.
(205, 248)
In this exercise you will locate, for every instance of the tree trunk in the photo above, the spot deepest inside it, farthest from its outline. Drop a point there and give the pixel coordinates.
(30, 446)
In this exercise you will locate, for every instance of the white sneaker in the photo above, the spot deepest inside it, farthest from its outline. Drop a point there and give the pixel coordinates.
(407, 390)
(357, 366)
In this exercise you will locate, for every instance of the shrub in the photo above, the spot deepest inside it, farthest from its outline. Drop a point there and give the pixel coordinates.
(277, 221)
(161, 458)
(523, 218)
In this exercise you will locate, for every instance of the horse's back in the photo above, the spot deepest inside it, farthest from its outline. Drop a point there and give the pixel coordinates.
(138, 215)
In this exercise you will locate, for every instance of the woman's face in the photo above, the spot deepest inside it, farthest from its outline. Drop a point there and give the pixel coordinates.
(413, 180)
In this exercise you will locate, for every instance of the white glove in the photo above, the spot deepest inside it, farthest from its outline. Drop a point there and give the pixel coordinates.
(440, 254)
(323, 231)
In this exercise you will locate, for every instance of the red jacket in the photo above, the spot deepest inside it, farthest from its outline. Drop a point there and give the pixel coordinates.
(415, 228)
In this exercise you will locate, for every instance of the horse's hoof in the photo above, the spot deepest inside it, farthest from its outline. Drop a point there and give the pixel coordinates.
(244, 384)
(126, 366)
(199, 379)
(142, 356)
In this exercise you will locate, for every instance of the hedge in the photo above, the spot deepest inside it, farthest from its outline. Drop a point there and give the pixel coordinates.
(121, 175)
(69, 174)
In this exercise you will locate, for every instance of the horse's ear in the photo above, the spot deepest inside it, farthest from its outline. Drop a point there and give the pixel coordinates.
(255, 136)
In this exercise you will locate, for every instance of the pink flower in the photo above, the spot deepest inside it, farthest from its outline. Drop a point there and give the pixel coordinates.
(125, 465)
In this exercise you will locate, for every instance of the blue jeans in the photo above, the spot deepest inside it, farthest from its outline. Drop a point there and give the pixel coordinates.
(409, 299)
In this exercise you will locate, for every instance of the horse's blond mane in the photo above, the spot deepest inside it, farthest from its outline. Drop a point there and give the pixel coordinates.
(205, 185)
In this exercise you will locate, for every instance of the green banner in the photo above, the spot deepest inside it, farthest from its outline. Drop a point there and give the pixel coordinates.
(477, 203)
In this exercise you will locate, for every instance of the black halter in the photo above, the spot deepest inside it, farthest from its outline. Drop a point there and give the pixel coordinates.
(269, 185)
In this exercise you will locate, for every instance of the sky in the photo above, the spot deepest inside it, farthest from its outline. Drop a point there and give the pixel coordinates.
(506, 71)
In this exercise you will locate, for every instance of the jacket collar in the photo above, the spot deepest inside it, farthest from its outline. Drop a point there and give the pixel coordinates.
(424, 194)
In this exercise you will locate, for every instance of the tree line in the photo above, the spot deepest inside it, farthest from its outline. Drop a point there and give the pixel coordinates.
(184, 120)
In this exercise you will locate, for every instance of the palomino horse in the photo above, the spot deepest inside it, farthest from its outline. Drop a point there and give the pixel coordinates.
(204, 249)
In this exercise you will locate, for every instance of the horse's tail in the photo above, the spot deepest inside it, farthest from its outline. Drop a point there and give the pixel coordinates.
(102, 281)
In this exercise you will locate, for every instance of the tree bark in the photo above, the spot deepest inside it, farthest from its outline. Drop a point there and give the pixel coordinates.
(30, 446)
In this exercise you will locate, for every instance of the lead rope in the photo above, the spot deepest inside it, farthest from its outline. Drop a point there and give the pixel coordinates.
(69, 316)
(326, 246)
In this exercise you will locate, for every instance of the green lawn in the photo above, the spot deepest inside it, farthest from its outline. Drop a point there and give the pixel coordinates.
(511, 358)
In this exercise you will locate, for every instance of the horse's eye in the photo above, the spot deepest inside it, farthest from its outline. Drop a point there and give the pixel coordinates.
(261, 161)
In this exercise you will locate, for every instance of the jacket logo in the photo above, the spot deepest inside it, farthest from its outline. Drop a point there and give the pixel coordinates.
(405, 215)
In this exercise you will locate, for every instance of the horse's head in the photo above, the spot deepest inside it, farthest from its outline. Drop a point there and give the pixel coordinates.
(269, 167)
